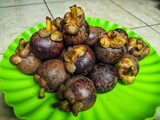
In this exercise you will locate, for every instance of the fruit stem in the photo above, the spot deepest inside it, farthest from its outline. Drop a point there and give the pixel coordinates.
(42, 93)
(21, 44)
(74, 11)
(76, 108)
(48, 23)
(64, 105)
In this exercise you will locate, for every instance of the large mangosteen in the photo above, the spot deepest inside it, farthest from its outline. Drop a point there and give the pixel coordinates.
(111, 46)
(76, 94)
(76, 29)
(50, 75)
(47, 42)
(104, 77)
(79, 59)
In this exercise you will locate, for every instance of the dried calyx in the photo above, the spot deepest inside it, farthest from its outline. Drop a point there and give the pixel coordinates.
(76, 94)
(114, 38)
(25, 61)
(52, 29)
(79, 59)
(128, 68)
(137, 48)
(75, 27)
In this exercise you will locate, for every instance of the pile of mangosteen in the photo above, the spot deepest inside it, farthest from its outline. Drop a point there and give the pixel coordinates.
(76, 61)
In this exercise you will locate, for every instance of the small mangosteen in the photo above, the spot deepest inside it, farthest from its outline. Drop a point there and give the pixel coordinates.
(47, 43)
(93, 36)
(79, 59)
(77, 94)
(137, 48)
(50, 75)
(76, 29)
(25, 61)
(128, 68)
(104, 77)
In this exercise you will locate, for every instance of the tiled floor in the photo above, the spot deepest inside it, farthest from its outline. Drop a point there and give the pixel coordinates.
(143, 16)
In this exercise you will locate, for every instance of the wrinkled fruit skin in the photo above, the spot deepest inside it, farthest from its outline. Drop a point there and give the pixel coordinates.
(45, 48)
(82, 91)
(78, 38)
(104, 77)
(51, 74)
(109, 55)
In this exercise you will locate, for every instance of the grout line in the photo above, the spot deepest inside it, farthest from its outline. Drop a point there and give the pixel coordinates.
(138, 27)
(135, 17)
(48, 9)
(20, 5)
(56, 1)
(1, 52)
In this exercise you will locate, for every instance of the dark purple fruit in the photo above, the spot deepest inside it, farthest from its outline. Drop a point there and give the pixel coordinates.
(79, 59)
(24, 60)
(109, 55)
(104, 77)
(128, 68)
(93, 36)
(47, 43)
(45, 48)
(50, 75)
(76, 94)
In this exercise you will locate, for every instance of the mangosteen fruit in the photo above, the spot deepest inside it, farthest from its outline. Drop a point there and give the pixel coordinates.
(79, 59)
(50, 75)
(109, 55)
(77, 94)
(76, 29)
(128, 68)
(104, 77)
(24, 60)
(47, 43)
(137, 48)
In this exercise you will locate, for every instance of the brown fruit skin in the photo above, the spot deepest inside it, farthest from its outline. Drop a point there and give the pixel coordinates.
(109, 55)
(78, 38)
(23, 59)
(29, 65)
(86, 63)
(83, 64)
(52, 73)
(82, 91)
(45, 48)
(93, 36)
(104, 77)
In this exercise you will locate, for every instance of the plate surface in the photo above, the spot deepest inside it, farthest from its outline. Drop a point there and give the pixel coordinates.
(125, 102)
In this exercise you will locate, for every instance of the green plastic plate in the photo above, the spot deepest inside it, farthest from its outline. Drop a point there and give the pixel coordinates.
(125, 102)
